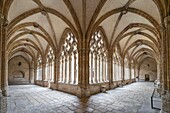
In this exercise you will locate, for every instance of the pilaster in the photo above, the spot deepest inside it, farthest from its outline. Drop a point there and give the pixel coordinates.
(4, 58)
(3, 75)
(31, 74)
(161, 57)
(1, 23)
(166, 68)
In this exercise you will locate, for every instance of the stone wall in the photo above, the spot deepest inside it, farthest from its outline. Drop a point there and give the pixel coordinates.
(149, 66)
(18, 71)
(115, 84)
(40, 83)
(69, 88)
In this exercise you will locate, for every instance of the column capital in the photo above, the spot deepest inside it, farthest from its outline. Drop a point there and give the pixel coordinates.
(167, 20)
(43, 63)
(3, 20)
(162, 27)
(66, 58)
(70, 57)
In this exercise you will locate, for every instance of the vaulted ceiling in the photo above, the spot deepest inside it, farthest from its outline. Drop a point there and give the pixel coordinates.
(132, 25)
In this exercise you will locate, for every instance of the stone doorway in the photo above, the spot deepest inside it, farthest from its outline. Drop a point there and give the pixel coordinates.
(146, 77)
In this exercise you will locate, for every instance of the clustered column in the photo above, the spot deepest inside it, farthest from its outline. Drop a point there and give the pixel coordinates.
(166, 67)
(3, 64)
(4, 56)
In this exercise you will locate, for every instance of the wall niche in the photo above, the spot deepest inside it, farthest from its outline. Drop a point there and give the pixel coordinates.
(18, 71)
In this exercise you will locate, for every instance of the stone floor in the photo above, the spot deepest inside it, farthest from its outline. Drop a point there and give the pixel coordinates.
(133, 98)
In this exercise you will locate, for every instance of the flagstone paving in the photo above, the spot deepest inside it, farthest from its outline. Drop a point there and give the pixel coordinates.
(132, 98)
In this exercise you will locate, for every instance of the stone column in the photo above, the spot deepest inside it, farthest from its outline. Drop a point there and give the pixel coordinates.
(102, 75)
(161, 56)
(43, 71)
(35, 71)
(99, 74)
(110, 68)
(130, 71)
(95, 68)
(66, 66)
(123, 71)
(3, 100)
(83, 63)
(166, 68)
(4, 58)
(5, 76)
(113, 69)
(135, 71)
(50, 70)
(1, 23)
(106, 74)
(75, 70)
(138, 72)
(53, 71)
(158, 70)
(31, 73)
(70, 69)
(56, 69)
(62, 71)
(91, 65)
(104, 69)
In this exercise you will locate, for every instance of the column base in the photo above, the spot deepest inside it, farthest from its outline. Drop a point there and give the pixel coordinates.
(83, 91)
(3, 103)
(166, 103)
(5, 92)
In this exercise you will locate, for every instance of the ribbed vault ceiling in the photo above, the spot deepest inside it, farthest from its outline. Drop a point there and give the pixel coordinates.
(131, 25)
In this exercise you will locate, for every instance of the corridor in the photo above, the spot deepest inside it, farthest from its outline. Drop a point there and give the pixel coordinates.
(133, 98)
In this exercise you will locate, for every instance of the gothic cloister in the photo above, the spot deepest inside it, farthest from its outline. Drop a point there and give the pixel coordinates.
(83, 49)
